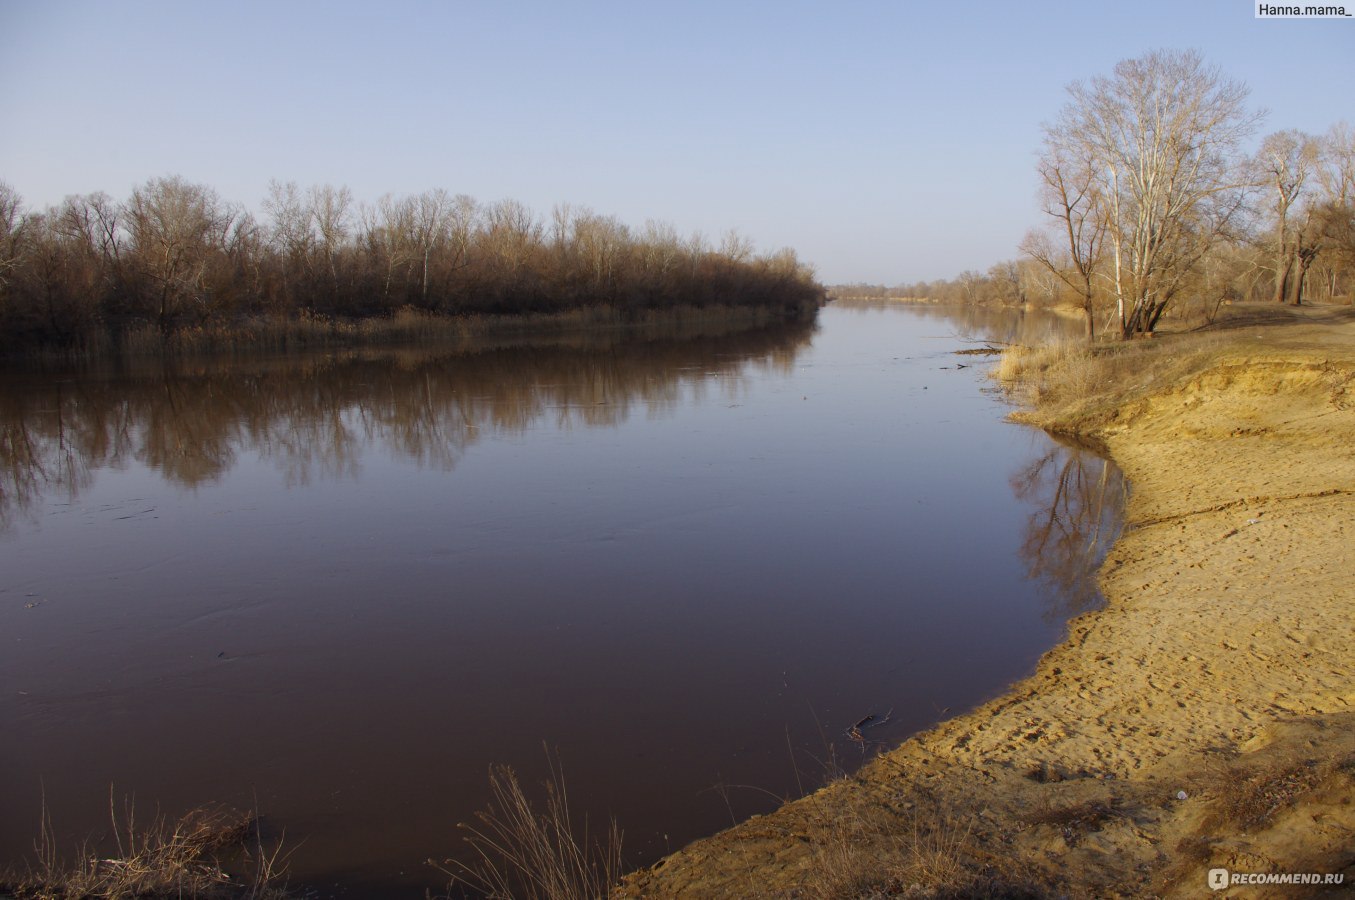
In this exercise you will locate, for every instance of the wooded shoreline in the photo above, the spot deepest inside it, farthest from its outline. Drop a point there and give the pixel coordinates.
(175, 260)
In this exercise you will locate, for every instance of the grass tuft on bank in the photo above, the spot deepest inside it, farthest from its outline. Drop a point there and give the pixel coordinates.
(527, 851)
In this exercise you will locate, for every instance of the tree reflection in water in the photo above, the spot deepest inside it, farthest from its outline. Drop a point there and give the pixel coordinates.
(1077, 493)
(313, 415)
(987, 324)
(1079, 497)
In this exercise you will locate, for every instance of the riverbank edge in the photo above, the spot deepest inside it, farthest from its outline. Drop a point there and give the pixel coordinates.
(1194, 722)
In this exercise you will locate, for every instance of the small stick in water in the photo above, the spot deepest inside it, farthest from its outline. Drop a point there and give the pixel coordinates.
(868, 722)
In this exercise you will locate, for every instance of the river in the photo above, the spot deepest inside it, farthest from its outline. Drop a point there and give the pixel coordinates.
(337, 588)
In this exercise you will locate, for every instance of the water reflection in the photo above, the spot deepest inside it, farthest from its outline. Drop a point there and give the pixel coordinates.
(313, 416)
(990, 324)
(1079, 497)
(1076, 494)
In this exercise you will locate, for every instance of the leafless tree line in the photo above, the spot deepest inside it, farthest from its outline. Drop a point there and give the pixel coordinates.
(1152, 201)
(175, 255)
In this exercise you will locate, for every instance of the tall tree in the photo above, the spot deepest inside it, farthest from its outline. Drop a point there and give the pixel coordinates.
(1068, 179)
(1284, 164)
(291, 236)
(1162, 136)
(331, 210)
(175, 226)
(11, 227)
(1005, 277)
(1334, 212)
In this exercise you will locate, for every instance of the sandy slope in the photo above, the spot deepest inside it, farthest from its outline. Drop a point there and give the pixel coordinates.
(1223, 666)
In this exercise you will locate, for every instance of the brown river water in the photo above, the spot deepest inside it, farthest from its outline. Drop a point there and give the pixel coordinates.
(336, 588)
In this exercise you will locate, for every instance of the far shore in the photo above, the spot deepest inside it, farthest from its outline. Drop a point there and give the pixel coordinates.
(1203, 719)
(265, 334)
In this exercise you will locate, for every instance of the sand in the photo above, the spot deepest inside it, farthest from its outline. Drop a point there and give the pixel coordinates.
(1203, 718)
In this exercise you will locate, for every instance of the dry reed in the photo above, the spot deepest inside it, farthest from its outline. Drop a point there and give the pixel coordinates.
(529, 854)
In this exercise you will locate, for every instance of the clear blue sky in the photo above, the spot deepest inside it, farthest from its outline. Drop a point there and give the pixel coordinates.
(885, 141)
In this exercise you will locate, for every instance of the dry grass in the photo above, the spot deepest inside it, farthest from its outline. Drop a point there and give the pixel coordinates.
(1250, 800)
(927, 851)
(1043, 374)
(185, 858)
(530, 854)
(1250, 797)
(1078, 820)
(1076, 381)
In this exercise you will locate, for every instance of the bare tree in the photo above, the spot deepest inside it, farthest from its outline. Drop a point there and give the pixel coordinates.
(562, 217)
(11, 227)
(174, 226)
(1336, 174)
(1005, 278)
(462, 220)
(735, 246)
(291, 217)
(695, 249)
(1043, 286)
(1284, 164)
(1334, 212)
(290, 235)
(331, 211)
(1161, 137)
(599, 241)
(390, 227)
(970, 281)
(1068, 193)
(432, 219)
(660, 251)
(511, 232)
(95, 219)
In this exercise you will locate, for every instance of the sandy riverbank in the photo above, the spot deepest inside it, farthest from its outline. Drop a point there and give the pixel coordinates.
(1222, 665)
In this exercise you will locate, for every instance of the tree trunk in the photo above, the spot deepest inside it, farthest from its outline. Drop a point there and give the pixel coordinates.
(164, 310)
(1305, 260)
(1154, 314)
(1282, 270)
